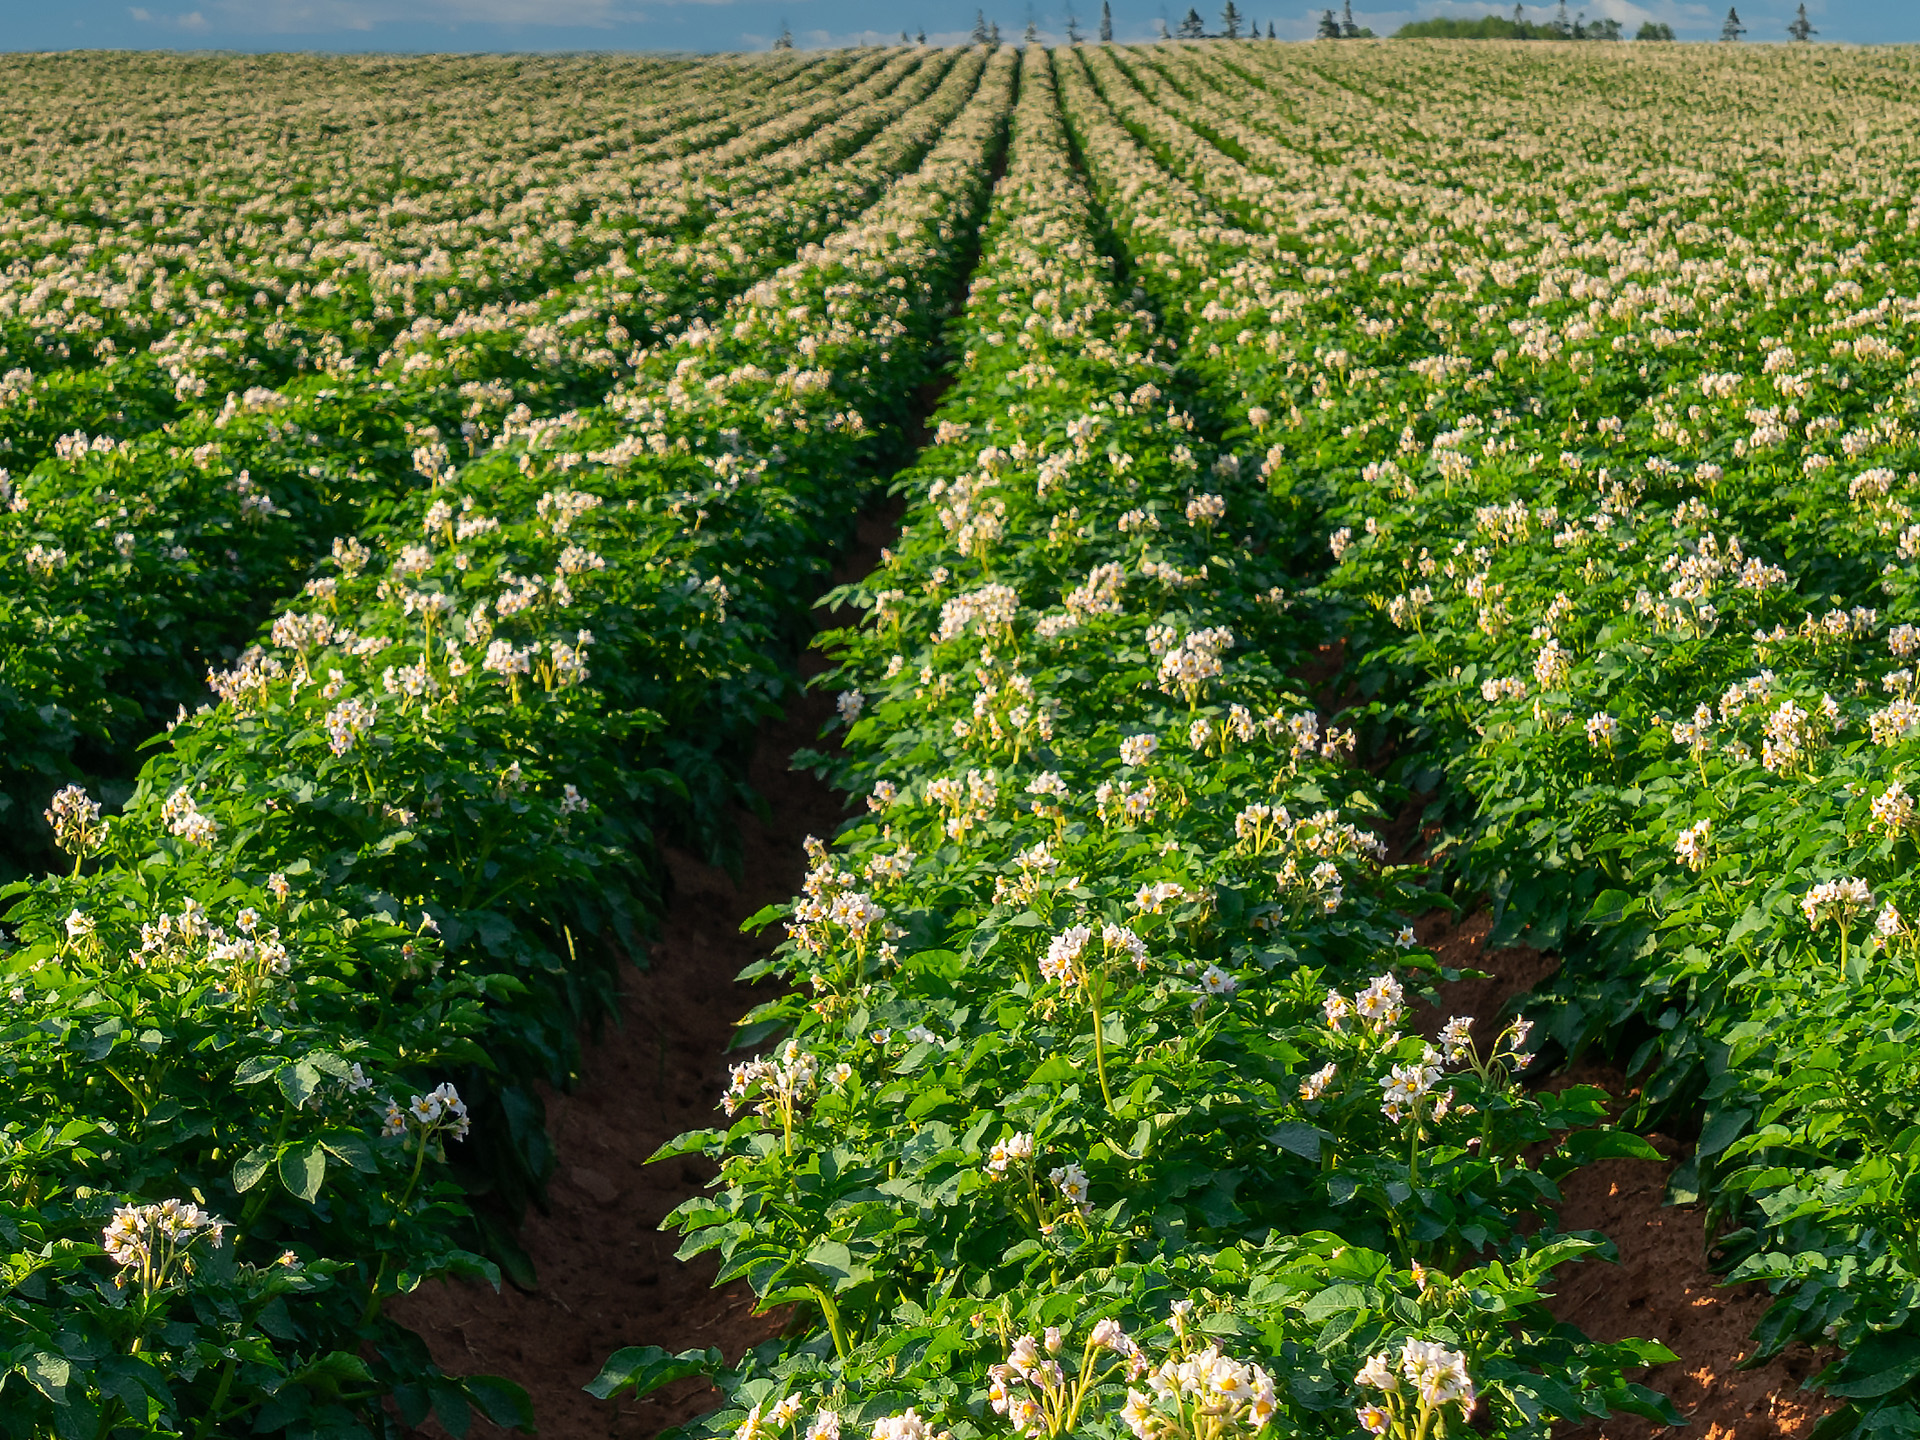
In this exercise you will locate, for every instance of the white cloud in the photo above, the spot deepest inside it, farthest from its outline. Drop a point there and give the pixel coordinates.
(192, 20)
(308, 17)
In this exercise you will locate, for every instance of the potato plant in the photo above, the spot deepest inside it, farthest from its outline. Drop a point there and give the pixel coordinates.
(278, 1021)
(1101, 1013)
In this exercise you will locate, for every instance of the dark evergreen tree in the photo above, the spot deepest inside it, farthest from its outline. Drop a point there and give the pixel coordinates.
(1802, 28)
(1106, 22)
(1732, 30)
(785, 42)
(993, 34)
(1329, 27)
(1193, 27)
(1230, 21)
(1349, 30)
(980, 27)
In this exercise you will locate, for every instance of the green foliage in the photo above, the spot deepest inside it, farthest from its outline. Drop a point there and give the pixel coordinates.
(1488, 27)
(236, 446)
(293, 1001)
(1630, 599)
(1094, 1012)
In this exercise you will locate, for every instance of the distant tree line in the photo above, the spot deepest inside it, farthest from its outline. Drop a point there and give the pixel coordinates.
(1518, 27)
(1500, 27)
(1235, 26)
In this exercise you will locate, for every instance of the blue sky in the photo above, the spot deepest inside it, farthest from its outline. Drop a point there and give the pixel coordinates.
(431, 25)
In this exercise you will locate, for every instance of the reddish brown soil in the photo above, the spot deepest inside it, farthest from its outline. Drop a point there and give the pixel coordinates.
(607, 1275)
(1663, 1288)
(1461, 944)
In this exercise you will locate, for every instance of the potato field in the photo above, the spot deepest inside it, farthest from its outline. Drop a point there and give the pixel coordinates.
(1341, 490)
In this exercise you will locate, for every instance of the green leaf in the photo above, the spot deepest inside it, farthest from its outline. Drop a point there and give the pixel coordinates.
(927, 1101)
(1583, 1147)
(1609, 907)
(1054, 1069)
(642, 1369)
(693, 1142)
(330, 1372)
(753, 925)
(248, 1169)
(1722, 1130)
(450, 1407)
(500, 1400)
(758, 1033)
(834, 1261)
(1880, 1364)
(303, 1169)
(351, 1149)
(1299, 1138)
(259, 1067)
(299, 1080)
(49, 1374)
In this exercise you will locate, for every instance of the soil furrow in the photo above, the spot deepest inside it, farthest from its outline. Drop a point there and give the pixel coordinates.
(607, 1274)
(1663, 1287)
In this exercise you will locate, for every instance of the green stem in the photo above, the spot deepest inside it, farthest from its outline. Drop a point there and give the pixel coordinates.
(138, 1099)
(1099, 1048)
(368, 1315)
(219, 1401)
(834, 1325)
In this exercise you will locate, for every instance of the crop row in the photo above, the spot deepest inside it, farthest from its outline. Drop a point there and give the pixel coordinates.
(352, 913)
(1094, 1104)
(146, 557)
(1099, 1100)
(1619, 469)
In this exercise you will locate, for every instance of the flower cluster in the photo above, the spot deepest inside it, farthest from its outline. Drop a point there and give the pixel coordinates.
(438, 1113)
(153, 1245)
(1416, 1388)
